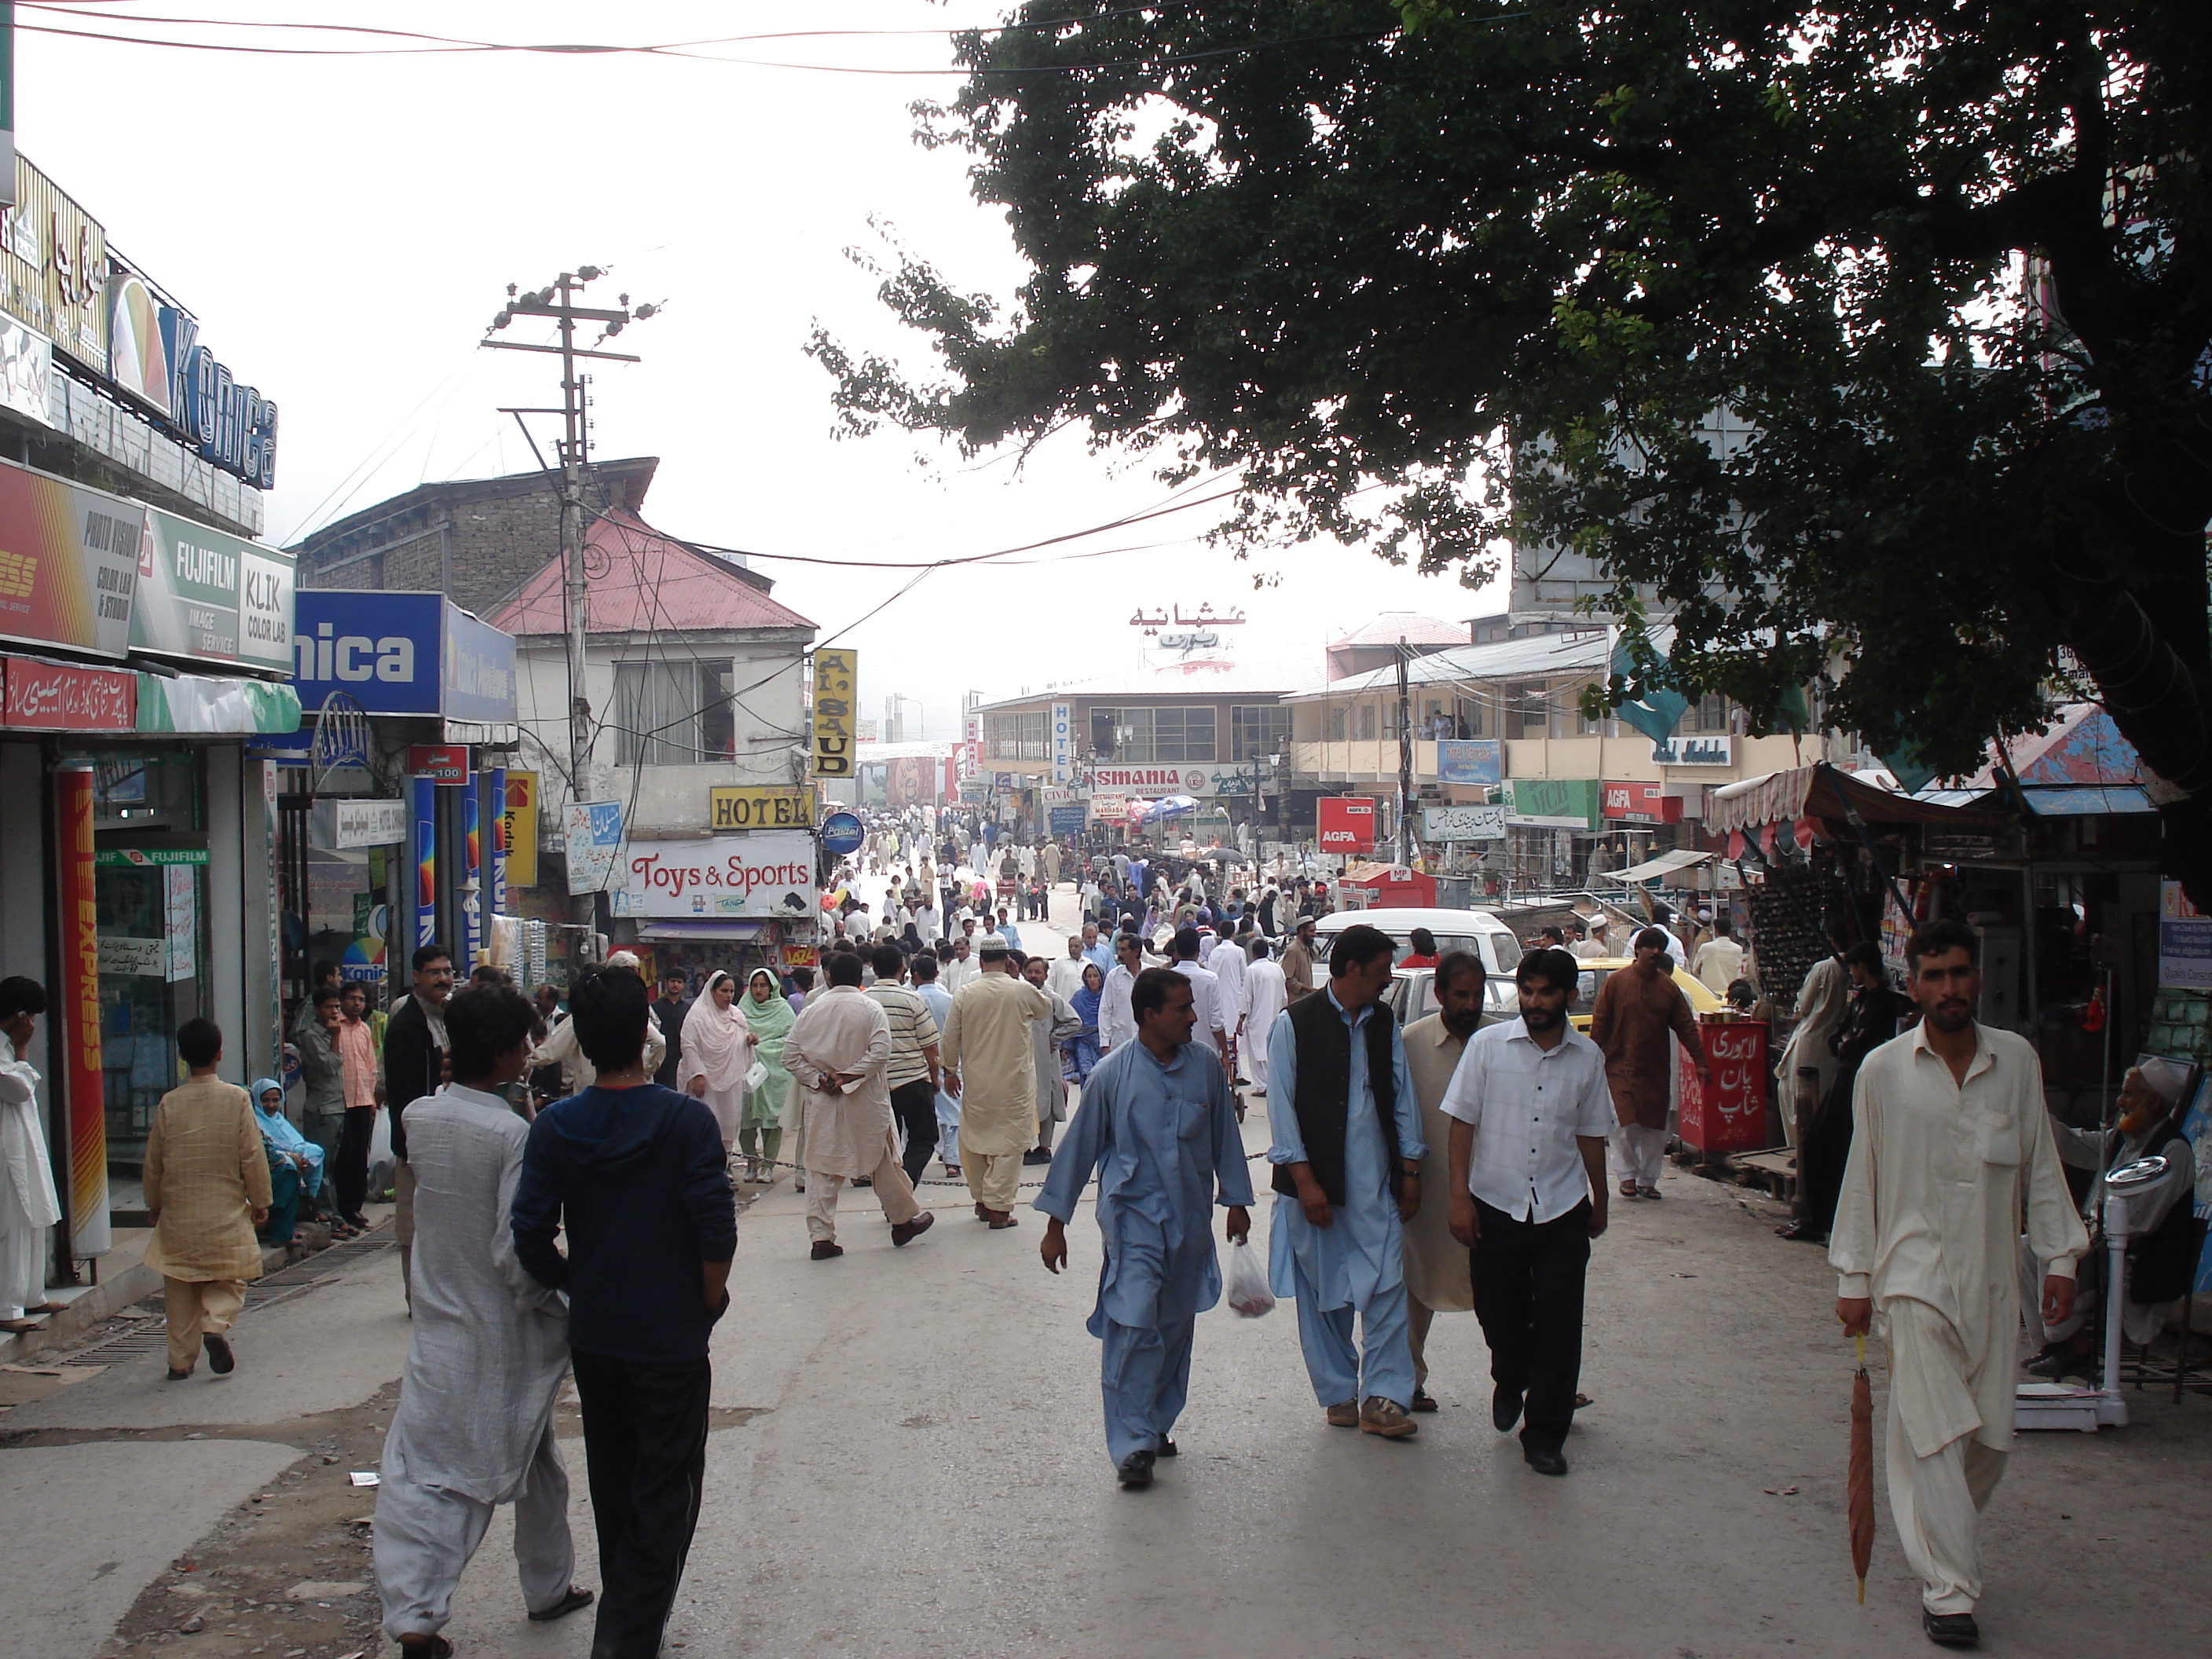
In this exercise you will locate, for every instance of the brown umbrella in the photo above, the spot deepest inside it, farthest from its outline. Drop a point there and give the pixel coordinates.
(1858, 1483)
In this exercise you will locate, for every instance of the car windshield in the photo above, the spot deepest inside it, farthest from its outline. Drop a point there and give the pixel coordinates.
(1506, 951)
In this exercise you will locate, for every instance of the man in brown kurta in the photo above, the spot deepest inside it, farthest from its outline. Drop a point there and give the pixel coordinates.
(1637, 1008)
(206, 1182)
(1299, 962)
(1438, 1279)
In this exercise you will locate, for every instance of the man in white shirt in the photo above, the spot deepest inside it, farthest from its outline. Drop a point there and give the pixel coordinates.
(1066, 977)
(1719, 961)
(1226, 965)
(1117, 1024)
(1951, 1147)
(1531, 1113)
(927, 922)
(857, 925)
(961, 968)
(1206, 993)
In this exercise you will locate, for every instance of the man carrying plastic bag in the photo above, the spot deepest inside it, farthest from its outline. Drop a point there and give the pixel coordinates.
(1158, 1124)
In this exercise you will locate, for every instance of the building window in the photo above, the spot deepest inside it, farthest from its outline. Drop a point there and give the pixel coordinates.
(1340, 719)
(1148, 737)
(1014, 737)
(674, 713)
(1367, 722)
(1258, 730)
(1712, 712)
(1470, 717)
(1528, 713)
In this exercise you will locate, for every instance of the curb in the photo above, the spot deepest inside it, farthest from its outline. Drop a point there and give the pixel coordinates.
(135, 1283)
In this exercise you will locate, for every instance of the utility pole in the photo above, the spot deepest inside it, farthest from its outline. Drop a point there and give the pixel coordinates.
(557, 301)
(1404, 759)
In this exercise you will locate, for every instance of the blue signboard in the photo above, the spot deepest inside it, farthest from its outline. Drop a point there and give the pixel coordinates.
(1067, 820)
(401, 654)
(843, 834)
(1470, 760)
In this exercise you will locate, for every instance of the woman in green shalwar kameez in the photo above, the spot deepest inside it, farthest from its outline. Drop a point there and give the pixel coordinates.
(760, 1132)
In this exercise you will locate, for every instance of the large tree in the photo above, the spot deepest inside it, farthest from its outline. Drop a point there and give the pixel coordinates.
(1433, 278)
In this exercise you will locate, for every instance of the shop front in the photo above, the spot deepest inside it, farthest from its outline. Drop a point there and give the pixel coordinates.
(733, 903)
(395, 807)
(139, 881)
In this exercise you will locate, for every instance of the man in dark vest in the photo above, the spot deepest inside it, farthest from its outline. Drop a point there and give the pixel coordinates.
(1347, 1157)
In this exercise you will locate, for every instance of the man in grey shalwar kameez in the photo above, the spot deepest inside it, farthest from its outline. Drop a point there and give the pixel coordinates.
(1045, 1037)
(1158, 1124)
(474, 1428)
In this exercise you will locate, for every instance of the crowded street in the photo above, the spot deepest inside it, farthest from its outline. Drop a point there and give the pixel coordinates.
(1056, 829)
(909, 1443)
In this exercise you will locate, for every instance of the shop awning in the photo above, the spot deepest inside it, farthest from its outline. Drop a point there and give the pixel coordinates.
(2090, 802)
(1665, 865)
(207, 705)
(733, 932)
(1820, 790)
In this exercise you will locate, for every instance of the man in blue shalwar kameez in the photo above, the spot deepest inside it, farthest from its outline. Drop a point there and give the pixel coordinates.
(1159, 1126)
(1347, 1155)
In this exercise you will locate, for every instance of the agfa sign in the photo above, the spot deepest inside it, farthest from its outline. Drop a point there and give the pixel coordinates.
(1346, 825)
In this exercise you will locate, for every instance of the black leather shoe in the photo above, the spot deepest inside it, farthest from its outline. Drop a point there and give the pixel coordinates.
(1168, 1448)
(220, 1360)
(1544, 1459)
(1504, 1410)
(1951, 1630)
(1135, 1470)
(1036, 1155)
(1422, 1402)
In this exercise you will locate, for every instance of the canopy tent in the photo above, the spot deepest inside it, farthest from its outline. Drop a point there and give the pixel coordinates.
(1666, 864)
(1820, 791)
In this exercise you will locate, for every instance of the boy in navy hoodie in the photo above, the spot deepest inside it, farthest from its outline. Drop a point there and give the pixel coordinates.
(636, 1173)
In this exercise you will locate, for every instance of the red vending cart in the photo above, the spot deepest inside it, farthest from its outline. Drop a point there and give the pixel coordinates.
(1729, 1116)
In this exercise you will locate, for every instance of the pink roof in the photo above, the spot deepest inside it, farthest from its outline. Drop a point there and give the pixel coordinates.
(640, 581)
(1411, 626)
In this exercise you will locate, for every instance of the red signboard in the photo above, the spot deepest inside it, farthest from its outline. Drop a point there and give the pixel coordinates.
(1730, 1115)
(440, 763)
(1346, 825)
(41, 696)
(1648, 802)
(82, 1096)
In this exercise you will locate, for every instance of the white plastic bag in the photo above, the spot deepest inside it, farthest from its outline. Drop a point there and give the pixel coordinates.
(756, 1076)
(1247, 1292)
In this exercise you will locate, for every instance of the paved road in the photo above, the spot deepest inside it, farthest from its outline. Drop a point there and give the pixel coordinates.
(920, 1472)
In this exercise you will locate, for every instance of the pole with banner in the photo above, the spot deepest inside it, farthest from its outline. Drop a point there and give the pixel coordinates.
(472, 924)
(422, 844)
(494, 894)
(837, 719)
(83, 1096)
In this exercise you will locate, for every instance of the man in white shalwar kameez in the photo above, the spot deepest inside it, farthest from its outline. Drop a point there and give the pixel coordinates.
(1265, 995)
(29, 1206)
(1951, 1146)
(838, 1051)
(474, 1427)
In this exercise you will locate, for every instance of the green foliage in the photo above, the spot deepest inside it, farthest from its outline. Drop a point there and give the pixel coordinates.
(1434, 279)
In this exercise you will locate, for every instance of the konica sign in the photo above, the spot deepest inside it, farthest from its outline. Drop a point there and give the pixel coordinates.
(401, 654)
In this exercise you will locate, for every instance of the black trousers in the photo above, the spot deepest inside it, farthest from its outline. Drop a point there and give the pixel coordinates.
(915, 1105)
(645, 1439)
(1826, 1150)
(1528, 1296)
(349, 1179)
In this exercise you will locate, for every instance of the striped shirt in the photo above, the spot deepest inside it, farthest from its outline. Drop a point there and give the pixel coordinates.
(913, 1030)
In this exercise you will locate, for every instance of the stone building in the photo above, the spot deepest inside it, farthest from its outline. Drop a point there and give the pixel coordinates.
(475, 540)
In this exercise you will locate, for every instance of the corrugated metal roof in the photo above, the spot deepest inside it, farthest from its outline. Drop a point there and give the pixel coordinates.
(1537, 657)
(1192, 677)
(640, 581)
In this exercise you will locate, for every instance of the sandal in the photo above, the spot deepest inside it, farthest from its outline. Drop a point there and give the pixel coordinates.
(21, 1324)
(1628, 1190)
(561, 1609)
(1650, 1192)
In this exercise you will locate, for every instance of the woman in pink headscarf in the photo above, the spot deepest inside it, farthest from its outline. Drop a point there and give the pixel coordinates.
(718, 1052)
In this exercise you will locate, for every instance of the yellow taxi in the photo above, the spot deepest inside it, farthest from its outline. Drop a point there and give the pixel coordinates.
(1596, 970)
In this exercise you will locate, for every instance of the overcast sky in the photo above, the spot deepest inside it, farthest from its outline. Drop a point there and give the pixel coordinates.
(344, 228)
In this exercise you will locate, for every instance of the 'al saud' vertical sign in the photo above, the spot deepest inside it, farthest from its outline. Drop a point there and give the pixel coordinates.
(836, 726)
